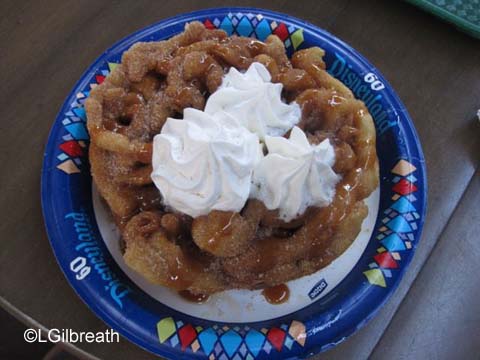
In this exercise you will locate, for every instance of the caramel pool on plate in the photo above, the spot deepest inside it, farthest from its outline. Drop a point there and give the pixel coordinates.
(277, 294)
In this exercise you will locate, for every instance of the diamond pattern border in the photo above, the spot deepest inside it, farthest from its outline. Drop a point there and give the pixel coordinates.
(73, 149)
(400, 221)
(258, 27)
(240, 342)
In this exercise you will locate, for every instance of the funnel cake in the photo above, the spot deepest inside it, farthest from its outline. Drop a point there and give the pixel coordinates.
(222, 250)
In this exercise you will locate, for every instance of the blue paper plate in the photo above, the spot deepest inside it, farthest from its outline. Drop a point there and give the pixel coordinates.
(319, 324)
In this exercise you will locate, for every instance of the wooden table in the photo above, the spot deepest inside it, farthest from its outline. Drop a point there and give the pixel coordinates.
(435, 70)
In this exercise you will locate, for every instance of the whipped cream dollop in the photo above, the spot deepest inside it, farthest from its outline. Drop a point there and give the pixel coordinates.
(214, 160)
(295, 175)
(255, 102)
(204, 162)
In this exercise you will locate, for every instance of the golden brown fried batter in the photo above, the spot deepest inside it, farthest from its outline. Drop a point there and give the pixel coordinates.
(225, 233)
(223, 250)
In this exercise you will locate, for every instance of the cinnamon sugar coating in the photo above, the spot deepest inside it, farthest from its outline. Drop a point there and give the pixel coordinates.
(223, 250)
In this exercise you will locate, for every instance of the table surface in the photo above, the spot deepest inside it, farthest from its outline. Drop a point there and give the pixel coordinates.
(434, 69)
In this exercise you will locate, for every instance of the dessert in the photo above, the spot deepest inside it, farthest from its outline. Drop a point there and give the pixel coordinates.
(228, 165)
